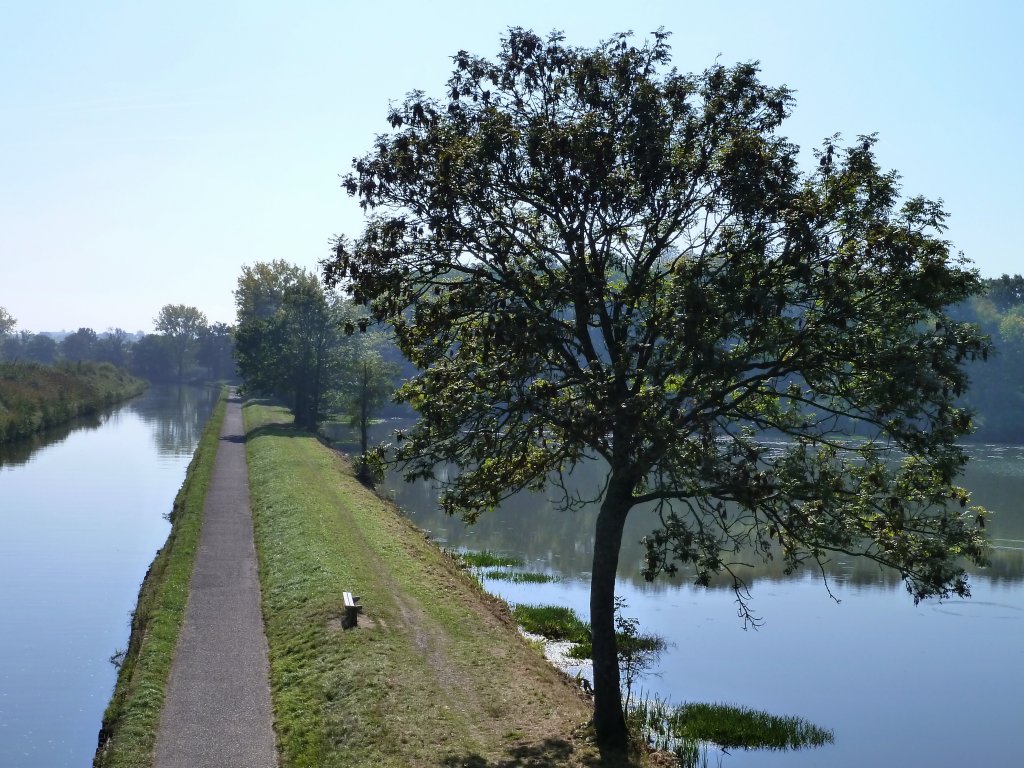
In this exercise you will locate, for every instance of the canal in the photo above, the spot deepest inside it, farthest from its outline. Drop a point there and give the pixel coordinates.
(82, 513)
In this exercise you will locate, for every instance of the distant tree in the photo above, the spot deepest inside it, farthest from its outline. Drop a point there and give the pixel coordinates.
(997, 390)
(587, 253)
(12, 346)
(41, 348)
(78, 346)
(182, 325)
(216, 352)
(113, 347)
(1005, 292)
(153, 358)
(261, 288)
(7, 322)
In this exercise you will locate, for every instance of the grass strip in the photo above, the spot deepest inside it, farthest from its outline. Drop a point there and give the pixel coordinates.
(682, 729)
(520, 577)
(733, 727)
(486, 559)
(434, 675)
(555, 622)
(132, 718)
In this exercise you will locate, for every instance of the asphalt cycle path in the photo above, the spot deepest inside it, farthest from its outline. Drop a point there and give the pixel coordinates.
(217, 712)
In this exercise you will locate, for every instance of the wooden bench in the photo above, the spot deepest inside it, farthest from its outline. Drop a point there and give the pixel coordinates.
(352, 610)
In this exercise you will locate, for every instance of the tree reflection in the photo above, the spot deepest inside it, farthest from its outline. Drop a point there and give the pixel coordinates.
(178, 415)
(536, 528)
(19, 452)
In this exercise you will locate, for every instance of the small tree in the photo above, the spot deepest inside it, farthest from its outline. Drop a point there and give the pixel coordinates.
(637, 651)
(371, 385)
(589, 254)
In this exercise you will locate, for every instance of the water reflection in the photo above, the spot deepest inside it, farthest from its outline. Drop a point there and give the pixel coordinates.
(81, 517)
(21, 451)
(177, 415)
(536, 527)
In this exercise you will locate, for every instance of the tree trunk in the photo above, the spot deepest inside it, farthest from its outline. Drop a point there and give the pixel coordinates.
(364, 412)
(609, 722)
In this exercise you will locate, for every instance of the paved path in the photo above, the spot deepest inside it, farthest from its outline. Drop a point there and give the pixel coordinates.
(217, 712)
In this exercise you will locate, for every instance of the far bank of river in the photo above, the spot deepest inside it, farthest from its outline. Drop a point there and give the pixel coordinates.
(80, 521)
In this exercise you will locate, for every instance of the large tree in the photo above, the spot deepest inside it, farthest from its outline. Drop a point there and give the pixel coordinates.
(589, 254)
(290, 342)
(182, 325)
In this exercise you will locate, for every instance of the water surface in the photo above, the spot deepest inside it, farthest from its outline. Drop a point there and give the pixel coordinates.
(81, 517)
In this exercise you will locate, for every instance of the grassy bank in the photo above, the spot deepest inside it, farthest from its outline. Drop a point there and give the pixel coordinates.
(435, 674)
(34, 397)
(133, 715)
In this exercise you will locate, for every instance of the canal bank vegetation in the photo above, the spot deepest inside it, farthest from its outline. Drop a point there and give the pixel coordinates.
(434, 674)
(132, 717)
(34, 397)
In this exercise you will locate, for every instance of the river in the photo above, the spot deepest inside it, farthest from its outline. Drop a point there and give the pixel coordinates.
(938, 684)
(81, 516)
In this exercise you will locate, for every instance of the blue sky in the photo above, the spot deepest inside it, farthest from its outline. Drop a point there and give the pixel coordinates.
(149, 150)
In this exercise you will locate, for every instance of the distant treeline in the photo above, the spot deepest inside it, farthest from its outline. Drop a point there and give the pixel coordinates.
(996, 394)
(186, 348)
(34, 397)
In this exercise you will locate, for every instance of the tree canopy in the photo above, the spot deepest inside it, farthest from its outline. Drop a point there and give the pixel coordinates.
(997, 391)
(7, 322)
(291, 340)
(182, 325)
(589, 254)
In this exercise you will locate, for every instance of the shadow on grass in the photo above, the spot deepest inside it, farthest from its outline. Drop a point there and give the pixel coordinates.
(275, 430)
(247, 401)
(550, 753)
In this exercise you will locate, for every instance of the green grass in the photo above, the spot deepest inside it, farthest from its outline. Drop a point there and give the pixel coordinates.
(132, 718)
(486, 559)
(434, 674)
(519, 577)
(34, 397)
(634, 644)
(555, 622)
(681, 728)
